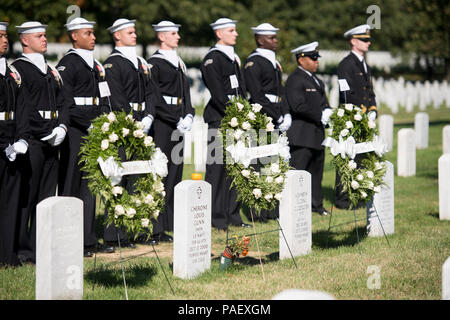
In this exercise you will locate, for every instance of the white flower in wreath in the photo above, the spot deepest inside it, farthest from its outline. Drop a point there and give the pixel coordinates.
(119, 210)
(278, 196)
(125, 132)
(352, 165)
(256, 107)
(349, 124)
(360, 177)
(148, 199)
(369, 174)
(148, 141)
(233, 122)
(117, 190)
(268, 196)
(246, 125)
(378, 166)
(105, 144)
(344, 132)
(131, 212)
(363, 195)
(269, 179)
(275, 168)
(240, 106)
(145, 222)
(355, 185)
(256, 174)
(139, 133)
(238, 133)
(156, 214)
(257, 193)
(270, 127)
(159, 186)
(251, 116)
(371, 185)
(348, 107)
(111, 117)
(129, 118)
(340, 112)
(138, 202)
(113, 137)
(159, 164)
(279, 179)
(358, 117)
(371, 124)
(105, 127)
(139, 125)
(377, 189)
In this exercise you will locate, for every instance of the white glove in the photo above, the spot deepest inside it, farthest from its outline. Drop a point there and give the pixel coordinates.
(56, 137)
(185, 125)
(10, 153)
(20, 147)
(147, 122)
(372, 115)
(280, 120)
(326, 114)
(286, 124)
(90, 128)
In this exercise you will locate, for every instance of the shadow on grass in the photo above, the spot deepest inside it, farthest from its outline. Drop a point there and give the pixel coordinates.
(136, 275)
(349, 239)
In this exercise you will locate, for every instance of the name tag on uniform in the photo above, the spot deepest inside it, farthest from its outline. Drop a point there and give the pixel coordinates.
(311, 90)
(104, 89)
(234, 82)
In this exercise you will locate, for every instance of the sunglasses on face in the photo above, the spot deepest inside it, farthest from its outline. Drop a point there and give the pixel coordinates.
(364, 39)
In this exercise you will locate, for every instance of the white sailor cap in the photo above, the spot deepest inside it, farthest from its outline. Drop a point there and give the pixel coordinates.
(31, 27)
(79, 23)
(359, 32)
(265, 29)
(310, 50)
(120, 24)
(166, 26)
(223, 23)
(3, 26)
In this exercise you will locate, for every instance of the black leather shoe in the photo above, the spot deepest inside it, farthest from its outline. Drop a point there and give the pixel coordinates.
(127, 244)
(321, 211)
(164, 237)
(244, 225)
(87, 253)
(108, 247)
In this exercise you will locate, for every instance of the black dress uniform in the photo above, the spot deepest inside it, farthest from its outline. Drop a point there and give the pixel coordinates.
(175, 103)
(361, 94)
(11, 106)
(45, 111)
(132, 90)
(82, 99)
(223, 78)
(263, 81)
(307, 99)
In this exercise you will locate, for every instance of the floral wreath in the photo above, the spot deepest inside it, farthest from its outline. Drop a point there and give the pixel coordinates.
(352, 133)
(100, 160)
(258, 185)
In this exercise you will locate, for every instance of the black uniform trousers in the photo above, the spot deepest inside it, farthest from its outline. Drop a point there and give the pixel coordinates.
(73, 184)
(162, 133)
(10, 195)
(311, 160)
(225, 207)
(41, 172)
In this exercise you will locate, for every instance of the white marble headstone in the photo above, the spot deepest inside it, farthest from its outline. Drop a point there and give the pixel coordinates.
(446, 280)
(383, 205)
(444, 186)
(421, 123)
(59, 249)
(406, 152)
(446, 139)
(295, 214)
(386, 127)
(192, 228)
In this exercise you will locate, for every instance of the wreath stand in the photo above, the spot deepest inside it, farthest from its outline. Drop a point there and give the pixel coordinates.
(354, 221)
(256, 239)
(121, 261)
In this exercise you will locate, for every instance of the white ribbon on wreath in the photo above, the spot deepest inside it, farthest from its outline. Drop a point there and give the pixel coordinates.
(350, 148)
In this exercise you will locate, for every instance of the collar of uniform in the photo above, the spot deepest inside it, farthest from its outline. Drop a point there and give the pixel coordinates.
(86, 55)
(171, 56)
(360, 57)
(269, 55)
(307, 72)
(38, 60)
(228, 50)
(130, 54)
(2, 66)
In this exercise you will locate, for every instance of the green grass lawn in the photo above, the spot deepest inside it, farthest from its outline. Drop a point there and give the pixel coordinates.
(410, 268)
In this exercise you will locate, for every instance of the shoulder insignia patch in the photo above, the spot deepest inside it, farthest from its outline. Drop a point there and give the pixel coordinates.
(61, 68)
(209, 61)
(249, 64)
(108, 65)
